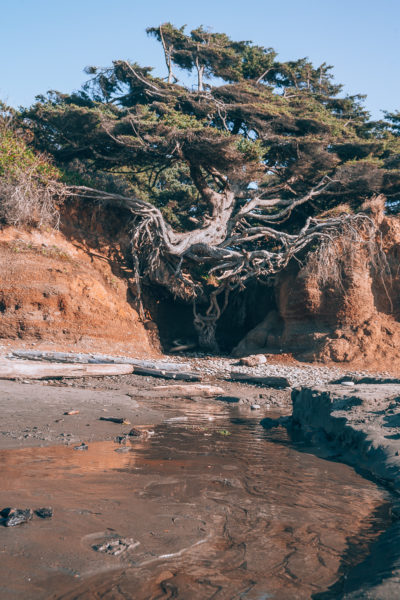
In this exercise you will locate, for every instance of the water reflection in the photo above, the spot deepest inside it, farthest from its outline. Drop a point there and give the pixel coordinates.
(220, 507)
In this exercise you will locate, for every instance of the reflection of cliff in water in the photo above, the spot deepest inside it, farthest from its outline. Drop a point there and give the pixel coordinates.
(221, 508)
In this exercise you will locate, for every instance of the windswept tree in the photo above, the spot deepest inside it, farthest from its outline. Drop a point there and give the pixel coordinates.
(173, 41)
(227, 185)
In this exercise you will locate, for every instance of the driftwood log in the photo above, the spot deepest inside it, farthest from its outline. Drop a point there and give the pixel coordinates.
(167, 374)
(29, 370)
(188, 391)
(100, 359)
(267, 381)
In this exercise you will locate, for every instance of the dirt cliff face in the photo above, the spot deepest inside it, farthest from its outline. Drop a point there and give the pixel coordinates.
(354, 321)
(67, 292)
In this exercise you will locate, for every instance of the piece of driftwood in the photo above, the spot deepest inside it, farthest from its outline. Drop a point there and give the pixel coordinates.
(182, 348)
(267, 381)
(119, 420)
(101, 359)
(188, 391)
(29, 370)
(167, 374)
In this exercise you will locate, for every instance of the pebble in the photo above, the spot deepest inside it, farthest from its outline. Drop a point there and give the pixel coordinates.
(253, 361)
(44, 513)
(82, 446)
(300, 375)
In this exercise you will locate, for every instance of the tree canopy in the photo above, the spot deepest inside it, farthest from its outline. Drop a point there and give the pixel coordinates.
(228, 181)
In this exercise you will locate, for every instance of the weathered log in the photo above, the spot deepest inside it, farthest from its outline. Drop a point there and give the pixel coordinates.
(72, 357)
(29, 370)
(267, 381)
(167, 374)
(182, 347)
(188, 391)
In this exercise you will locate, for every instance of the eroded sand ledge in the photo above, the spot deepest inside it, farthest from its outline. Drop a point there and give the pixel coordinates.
(363, 421)
(362, 426)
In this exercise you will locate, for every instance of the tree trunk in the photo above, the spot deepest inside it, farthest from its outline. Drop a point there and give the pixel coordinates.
(170, 75)
(206, 328)
(200, 74)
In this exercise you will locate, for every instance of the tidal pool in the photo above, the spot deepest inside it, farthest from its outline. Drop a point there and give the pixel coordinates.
(210, 506)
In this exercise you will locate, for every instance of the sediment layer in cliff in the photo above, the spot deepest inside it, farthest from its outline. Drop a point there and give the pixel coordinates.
(353, 320)
(61, 290)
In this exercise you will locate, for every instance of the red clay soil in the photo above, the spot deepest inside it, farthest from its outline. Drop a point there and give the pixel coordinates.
(74, 290)
(356, 322)
(56, 291)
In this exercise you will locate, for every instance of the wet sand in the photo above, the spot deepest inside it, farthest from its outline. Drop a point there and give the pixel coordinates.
(210, 506)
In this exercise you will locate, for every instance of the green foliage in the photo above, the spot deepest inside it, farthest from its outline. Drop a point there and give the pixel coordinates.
(279, 126)
(29, 182)
(17, 157)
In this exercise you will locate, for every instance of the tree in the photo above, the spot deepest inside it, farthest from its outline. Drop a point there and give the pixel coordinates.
(173, 40)
(226, 185)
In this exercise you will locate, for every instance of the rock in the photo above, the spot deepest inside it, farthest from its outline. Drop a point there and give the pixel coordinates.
(82, 446)
(44, 513)
(255, 406)
(136, 432)
(116, 547)
(72, 412)
(140, 433)
(348, 383)
(261, 336)
(253, 361)
(229, 399)
(16, 516)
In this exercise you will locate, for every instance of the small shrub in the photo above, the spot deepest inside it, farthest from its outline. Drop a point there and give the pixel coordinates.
(30, 190)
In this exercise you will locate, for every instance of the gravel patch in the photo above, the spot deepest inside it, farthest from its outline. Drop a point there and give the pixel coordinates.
(298, 375)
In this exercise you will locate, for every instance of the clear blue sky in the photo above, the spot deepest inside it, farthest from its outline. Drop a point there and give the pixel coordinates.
(45, 44)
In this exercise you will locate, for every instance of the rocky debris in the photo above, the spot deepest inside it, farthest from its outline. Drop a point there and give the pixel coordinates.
(44, 512)
(140, 433)
(15, 516)
(82, 446)
(253, 361)
(124, 438)
(199, 366)
(116, 547)
(189, 391)
(299, 374)
(275, 382)
(134, 432)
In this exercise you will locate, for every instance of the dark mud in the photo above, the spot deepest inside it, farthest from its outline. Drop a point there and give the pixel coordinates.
(210, 506)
